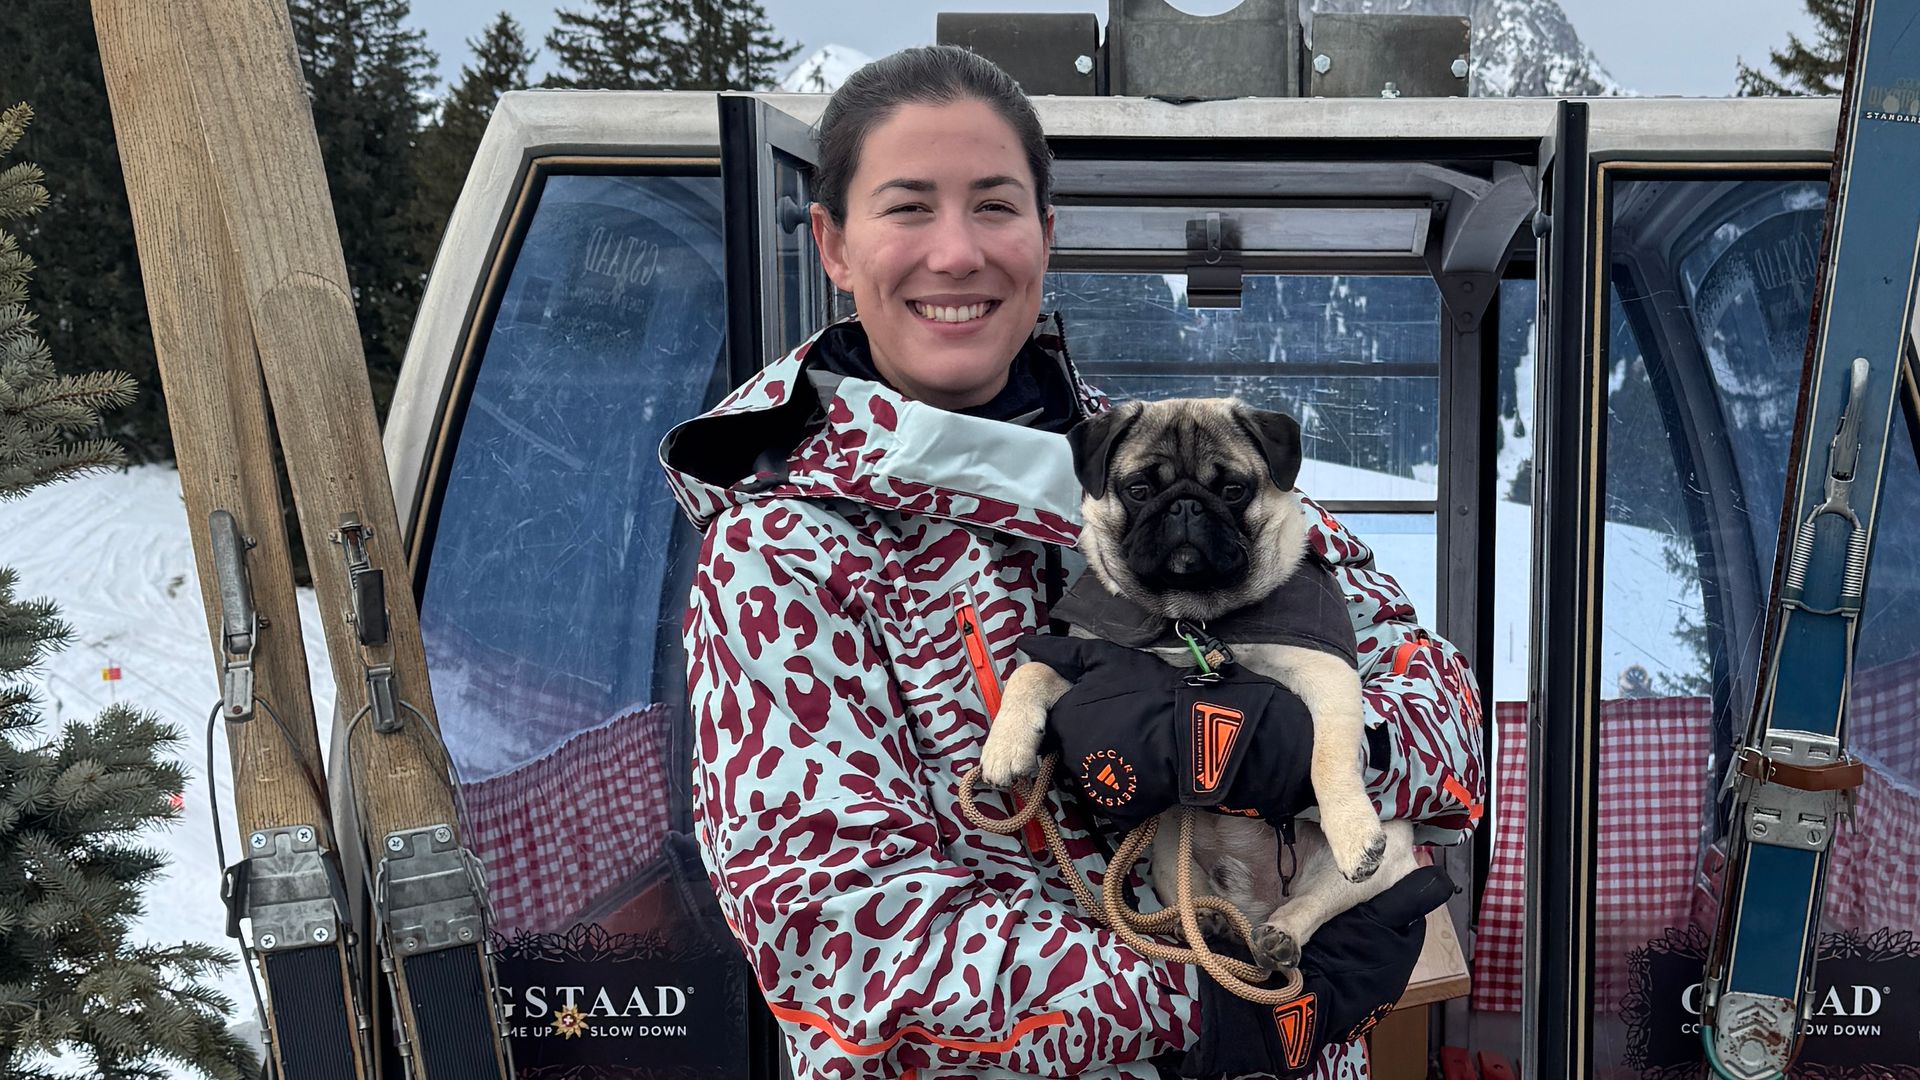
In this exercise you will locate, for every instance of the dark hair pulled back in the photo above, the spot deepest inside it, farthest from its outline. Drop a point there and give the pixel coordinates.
(927, 75)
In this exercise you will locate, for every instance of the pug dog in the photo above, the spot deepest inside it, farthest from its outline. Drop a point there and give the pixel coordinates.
(1187, 517)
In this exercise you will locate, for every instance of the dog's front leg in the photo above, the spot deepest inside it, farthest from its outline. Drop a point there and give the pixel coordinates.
(1012, 752)
(1331, 691)
(1321, 890)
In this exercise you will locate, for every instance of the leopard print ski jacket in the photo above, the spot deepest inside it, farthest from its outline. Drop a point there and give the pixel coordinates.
(852, 596)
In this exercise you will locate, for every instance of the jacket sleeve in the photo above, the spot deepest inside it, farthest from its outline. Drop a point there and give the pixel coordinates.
(878, 953)
(1420, 695)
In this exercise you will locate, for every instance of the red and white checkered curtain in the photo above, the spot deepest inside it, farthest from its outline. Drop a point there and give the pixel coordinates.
(559, 831)
(1653, 785)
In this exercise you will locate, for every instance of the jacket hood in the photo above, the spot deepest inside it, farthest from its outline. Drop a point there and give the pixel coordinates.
(797, 430)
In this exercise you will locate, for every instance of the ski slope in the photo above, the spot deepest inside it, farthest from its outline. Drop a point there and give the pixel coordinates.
(114, 551)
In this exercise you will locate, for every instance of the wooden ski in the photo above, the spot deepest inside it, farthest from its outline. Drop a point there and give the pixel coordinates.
(246, 278)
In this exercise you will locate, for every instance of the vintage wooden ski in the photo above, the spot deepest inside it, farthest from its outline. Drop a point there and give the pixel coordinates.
(248, 286)
(1792, 778)
(289, 880)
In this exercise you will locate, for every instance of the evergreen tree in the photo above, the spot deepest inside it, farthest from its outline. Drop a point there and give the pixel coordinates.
(92, 306)
(368, 76)
(722, 45)
(1802, 68)
(613, 45)
(501, 62)
(71, 980)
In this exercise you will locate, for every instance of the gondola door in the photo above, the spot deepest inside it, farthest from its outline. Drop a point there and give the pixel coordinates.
(777, 293)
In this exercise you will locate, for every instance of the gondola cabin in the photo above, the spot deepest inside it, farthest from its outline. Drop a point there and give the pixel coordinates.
(1547, 355)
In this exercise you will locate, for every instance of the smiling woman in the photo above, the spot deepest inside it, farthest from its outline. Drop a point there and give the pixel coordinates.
(885, 512)
(940, 232)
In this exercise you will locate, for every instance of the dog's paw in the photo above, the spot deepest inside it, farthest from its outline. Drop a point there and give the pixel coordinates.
(1012, 752)
(1214, 925)
(1274, 948)
(1359, 851)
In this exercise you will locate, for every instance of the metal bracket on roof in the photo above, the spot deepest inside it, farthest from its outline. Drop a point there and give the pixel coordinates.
(1214, 261)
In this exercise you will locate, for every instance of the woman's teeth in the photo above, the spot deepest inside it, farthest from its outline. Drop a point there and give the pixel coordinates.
(964, 313)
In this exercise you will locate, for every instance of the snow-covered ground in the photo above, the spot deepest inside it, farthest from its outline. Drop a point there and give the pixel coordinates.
(113, 550)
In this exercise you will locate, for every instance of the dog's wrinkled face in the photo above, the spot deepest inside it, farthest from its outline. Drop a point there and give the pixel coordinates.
(1186, 512)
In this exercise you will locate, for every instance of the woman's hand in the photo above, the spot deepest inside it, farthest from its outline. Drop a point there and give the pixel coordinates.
(1137, 739)
(1354, 969)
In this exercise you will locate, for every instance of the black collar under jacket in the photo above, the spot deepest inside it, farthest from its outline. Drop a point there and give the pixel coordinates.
(1039, 393)
(1307, 610)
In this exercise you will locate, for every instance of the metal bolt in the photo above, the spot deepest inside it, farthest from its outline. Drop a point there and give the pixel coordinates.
(268, 941)
(1813, 836)
(1759, 829)
(265, 622)
(443, 834)
(395, 843)
(1460, 67)
(410, 944)
(320, 934)
(305, 835)
(1390, 91)
(259, 840)
(1323, 63)
(466, 933)
(1083, 64)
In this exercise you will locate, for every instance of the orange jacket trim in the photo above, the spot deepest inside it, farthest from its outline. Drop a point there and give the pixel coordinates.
(997, 1046)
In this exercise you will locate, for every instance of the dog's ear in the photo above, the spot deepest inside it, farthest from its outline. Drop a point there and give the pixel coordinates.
(1094, 440)
(1278, 436)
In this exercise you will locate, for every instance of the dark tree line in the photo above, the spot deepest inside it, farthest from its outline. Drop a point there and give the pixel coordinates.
(396, 151)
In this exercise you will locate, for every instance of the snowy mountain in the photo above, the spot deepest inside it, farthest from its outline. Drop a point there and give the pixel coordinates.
(1521, 48)
(825, 70)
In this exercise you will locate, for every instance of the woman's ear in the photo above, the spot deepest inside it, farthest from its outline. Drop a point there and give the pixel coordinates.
(830, 241)
(1047, 228)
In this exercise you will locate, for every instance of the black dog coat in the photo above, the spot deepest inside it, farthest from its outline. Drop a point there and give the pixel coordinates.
(1236, 744)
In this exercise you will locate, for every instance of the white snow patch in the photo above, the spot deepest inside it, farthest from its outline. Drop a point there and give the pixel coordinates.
(114, 552)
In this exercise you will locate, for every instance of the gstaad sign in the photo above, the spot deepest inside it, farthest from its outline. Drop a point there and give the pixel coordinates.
(590, 1005)
(1865, 1010)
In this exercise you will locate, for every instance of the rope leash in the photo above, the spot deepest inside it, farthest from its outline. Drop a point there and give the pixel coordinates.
(1182, 919)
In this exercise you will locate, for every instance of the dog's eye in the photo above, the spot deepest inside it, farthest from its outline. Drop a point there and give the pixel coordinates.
(1139, 489)
(1233, 492)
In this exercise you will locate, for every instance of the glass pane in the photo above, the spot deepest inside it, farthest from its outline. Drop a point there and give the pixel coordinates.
(1708, 326)
(1405, 546)
(1499, 929)
(1313, 347)
(554, 591)
(799, 302)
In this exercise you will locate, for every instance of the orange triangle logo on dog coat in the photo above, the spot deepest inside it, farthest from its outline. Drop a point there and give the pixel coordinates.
(1294, 1019)
(1214, 729)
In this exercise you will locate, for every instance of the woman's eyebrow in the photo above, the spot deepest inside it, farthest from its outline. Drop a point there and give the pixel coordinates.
(923, 186)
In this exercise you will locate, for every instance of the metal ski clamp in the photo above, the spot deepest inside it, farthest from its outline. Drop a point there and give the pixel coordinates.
(239, 622)
(1797, 788)
(1760, 1030)
(289, 894)
(429, 892)
(1843, 464)
(368, 585)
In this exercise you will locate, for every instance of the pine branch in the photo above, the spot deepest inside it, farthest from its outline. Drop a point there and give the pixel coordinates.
(13, 124)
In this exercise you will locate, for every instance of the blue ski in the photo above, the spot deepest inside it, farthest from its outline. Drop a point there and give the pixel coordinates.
(1792, 778)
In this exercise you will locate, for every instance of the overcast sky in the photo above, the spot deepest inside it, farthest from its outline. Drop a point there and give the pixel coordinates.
(1686, 47)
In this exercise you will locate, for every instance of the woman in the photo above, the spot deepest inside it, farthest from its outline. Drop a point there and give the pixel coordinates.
(883, 512)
